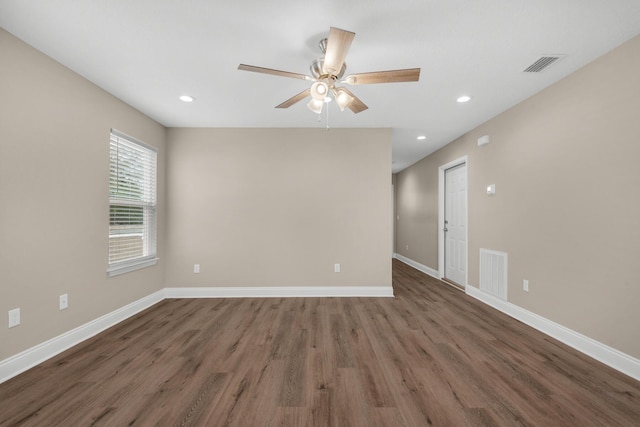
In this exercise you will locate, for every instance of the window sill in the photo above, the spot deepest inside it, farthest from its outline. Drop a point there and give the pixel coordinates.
(129, 266)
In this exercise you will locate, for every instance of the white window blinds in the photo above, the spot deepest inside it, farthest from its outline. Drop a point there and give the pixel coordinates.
(132, 203)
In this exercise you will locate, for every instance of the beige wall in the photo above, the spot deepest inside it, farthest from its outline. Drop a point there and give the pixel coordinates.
(279, 207)
(566, 208)
(54, 161)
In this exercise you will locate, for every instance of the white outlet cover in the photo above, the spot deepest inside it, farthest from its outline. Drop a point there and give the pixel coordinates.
(64, 301)
(196, 268)
(336, 268)
(14, 317)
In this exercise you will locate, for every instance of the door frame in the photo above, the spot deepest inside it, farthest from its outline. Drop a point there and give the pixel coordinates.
(441, 170)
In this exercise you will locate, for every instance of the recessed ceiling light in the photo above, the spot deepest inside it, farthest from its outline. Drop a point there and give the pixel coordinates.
(463, 98)
(421, 137)
(186, 98)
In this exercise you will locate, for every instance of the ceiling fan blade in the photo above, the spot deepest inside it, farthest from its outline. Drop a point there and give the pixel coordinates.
(337, 47)
(296, 98)
(392, 76)
(263, 70)
(356, 105)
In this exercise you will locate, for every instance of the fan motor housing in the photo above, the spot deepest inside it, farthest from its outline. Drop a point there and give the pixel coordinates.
(318, 73)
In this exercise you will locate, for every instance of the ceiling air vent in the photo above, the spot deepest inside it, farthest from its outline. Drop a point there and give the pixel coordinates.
(542, 63)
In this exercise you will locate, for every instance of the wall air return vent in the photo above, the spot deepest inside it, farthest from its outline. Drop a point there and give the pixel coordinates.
(543, 63)
(493, 273)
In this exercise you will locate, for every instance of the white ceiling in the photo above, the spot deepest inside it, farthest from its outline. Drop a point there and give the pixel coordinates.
(148, 52)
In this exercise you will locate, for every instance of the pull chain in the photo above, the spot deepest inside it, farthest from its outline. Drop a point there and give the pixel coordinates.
(327, 116)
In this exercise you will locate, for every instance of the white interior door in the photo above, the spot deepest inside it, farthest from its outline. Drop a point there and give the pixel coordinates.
(455, 224)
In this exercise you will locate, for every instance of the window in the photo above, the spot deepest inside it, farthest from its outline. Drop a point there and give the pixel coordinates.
(132, 204)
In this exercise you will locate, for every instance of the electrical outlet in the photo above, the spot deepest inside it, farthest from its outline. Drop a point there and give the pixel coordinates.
(336, 268)
(525, 285)
(407, 247)
(64, 301)
(196, 268)
(14, 317)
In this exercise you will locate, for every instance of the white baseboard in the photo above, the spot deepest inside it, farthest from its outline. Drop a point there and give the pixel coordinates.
(421, 267)
(595, 349)
(33, 356)
(280, 292)
(29, 358)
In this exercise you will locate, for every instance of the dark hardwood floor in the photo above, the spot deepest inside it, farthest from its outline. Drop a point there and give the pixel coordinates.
(429, 356)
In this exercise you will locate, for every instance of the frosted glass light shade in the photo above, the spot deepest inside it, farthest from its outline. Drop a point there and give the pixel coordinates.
(343, 98)
(315, 105)
(319, 90)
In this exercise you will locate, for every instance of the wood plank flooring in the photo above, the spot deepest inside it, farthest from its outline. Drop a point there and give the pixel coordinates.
(429, 356)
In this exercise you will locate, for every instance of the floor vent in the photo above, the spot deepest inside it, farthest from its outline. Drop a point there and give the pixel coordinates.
(493, 273)
(542, 63)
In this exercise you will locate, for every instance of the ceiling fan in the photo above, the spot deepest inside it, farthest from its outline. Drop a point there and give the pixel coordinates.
(327, 72)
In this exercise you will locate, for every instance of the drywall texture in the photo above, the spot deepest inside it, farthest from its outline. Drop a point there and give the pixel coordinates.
(54, 166)
(279, 207)
(566, 208)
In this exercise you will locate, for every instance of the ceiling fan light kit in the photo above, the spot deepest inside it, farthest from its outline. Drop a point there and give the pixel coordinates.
(329, 69)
